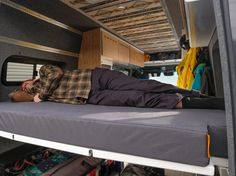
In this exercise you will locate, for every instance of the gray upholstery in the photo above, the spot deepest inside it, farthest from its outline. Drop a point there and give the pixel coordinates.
(172, 135)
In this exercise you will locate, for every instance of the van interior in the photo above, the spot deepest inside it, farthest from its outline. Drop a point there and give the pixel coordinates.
(146, 39)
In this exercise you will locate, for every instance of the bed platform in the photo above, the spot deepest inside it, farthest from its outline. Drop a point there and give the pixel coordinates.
(171, 139)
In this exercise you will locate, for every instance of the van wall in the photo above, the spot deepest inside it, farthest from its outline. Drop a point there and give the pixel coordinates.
(17, 27)
(214, 52)
(226, 25)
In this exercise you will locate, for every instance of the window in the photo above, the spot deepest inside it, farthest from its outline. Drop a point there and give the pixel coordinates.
(21, 71)
(17, 72)
(38, 66)
(16, 69)
(172, 79)
(162, 73)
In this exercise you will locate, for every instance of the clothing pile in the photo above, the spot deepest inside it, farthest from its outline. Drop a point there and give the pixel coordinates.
(137, 170)
(40, 161)
(49, 162)
(195, 73)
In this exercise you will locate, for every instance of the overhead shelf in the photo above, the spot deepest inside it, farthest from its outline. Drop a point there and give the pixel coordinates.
(162, 63)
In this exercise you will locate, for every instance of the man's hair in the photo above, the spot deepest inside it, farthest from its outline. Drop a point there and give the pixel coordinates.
(20, 96)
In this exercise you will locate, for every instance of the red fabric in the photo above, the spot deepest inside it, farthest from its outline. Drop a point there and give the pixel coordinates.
(93, 173)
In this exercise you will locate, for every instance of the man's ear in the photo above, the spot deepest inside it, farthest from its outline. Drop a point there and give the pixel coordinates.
(21, 96)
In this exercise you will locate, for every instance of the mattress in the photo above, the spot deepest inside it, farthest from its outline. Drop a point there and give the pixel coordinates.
(170, 135)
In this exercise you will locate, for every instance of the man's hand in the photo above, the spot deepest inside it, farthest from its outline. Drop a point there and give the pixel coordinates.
(36, 98)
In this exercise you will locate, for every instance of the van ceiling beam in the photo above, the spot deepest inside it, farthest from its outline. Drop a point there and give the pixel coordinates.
(154, 38)
(140, 25)
(157, 42)
(136, 20)
(132, 14)
(138, 34)
(170, 19)
(148, 35)
(170, 45)
(145, 29)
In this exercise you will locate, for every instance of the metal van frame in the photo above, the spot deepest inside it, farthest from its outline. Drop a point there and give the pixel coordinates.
(225, 11)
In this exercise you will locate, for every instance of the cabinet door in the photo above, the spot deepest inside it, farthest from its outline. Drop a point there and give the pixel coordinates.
(109, 47)
(123, 53)
(136, 57)
(90, 52)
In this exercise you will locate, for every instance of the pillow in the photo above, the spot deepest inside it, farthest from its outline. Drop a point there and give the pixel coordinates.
(20, 96)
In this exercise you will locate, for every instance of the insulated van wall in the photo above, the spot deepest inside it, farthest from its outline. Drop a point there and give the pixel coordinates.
(214, 52)
(226, 28)
(40, 30)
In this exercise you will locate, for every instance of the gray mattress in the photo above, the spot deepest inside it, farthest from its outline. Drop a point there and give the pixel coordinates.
(171, 135)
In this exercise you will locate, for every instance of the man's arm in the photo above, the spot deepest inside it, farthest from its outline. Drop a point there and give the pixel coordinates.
(50, 77)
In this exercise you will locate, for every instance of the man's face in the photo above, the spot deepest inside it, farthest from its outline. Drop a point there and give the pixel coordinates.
(27, 85)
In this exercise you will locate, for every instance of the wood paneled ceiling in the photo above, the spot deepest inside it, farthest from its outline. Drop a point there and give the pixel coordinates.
(143, 23)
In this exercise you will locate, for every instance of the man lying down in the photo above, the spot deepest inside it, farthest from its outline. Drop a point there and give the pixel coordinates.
(108, 87)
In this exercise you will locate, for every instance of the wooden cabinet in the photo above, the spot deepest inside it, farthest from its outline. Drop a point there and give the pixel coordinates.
(90, 51)
(136, 57)
(109, 46)
(123, 53)
(98, 45)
